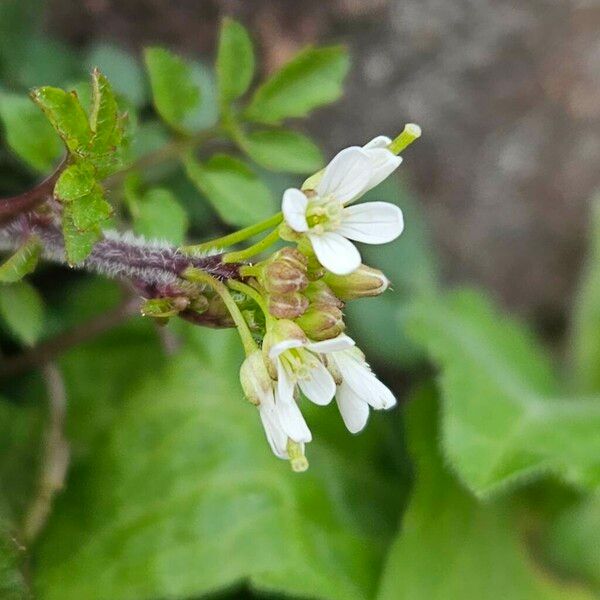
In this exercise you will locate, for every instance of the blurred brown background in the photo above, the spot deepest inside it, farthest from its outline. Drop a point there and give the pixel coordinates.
(507, 93)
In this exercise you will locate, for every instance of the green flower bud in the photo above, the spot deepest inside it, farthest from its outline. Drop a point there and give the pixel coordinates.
(164, 307)
(363, 282)
(322, 322)
(285, 272)
(287, 306)
(318, 292)
(255, 379)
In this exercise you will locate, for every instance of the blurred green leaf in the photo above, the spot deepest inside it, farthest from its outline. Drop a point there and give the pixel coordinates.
(184, 498)
(22, 262)
(122, 70)
(585, 334)
(503, 422)
(158, 216)
(282, 150)
(174, 92)
(12, 581)
(28, 132)
(235, 192)
(450, 547)
(311, 79)
(235, 61)
(66, 115)
(573, 541)
(22, 309)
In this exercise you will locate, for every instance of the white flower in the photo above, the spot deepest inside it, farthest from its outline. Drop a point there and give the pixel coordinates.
(359, 388)
(323, 215)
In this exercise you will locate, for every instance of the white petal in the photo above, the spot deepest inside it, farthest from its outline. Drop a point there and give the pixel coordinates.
(276, 437)
(381, 141)
(354, 410)
(381, 397)
(371, 222)
(318, 386)
(335, 252)
(280, 347)
(293, 207)
(383, 164)
(288, 412)
(347, 175)
(341, 342)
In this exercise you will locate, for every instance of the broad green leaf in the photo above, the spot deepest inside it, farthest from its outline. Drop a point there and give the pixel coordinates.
(585, 334)
(28, 132)
(282, 150)
(66, 115)
(22, 262)
(235, 192)
(78, 243)
(104, 117)
(22, 309)
(159, 216)
(174, 91)
(235, 61)
(450, 547)
(182, 498)
(121, 69)
(503, 420)
(313, 78)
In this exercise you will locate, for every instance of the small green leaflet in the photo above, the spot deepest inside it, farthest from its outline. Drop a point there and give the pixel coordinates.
(22, 262)
(22, 309)
(282, 150)
(234, 190)
(311, 79)
(235, 61)
(174, 91)
(78, 243)
(504, 421)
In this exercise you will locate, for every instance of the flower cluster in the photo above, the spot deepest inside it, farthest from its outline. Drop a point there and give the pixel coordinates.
(301, 290)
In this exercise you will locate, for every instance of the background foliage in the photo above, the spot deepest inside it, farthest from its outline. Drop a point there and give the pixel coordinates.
(483, 484)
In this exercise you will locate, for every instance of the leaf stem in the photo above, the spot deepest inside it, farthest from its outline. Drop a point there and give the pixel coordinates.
(251, 251)
(236, 236)
(251, 293)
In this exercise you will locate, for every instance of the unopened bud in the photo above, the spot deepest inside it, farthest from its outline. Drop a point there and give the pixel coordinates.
(199, 304)
(363, 282)
(318, 292)
(218, 313)
(285, 272)
(255, 379)
(322, 322)
(162, 308)
(287, 306)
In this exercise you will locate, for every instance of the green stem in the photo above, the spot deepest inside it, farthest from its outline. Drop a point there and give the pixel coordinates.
(199, 276)
(236, 236)
(251, 251)
(251, 293)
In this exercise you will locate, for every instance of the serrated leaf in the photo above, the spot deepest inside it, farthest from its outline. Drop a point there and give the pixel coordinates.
(174, 92)
(66, 115)
(233, 189)
(104, 116)
(183, 486)
(311, 79)
(28, 132)
(159, 216)
(22, 262)
(585, 330)
(450, 547)
(282, 150)
(503, 420)
(235, 61)
(22, 309)
(78, 243)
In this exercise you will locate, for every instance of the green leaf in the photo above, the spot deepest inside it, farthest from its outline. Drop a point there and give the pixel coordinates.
(78, 243)
(22, 262)
(66, 115)
(12, 581)
(184, 489)
(28, 132)
(22, 309)
(104, 118)
(503, 420)
(122, 70)
(235, 61)
(174, 91)
(450, 547)
(313, 78)
(158, 216)
(281, 150)
(235, 192)
(585, 331)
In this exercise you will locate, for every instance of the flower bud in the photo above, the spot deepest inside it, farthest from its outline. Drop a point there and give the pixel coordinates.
(164, 307)
(199, 304)
(218, 313)
(363, 282)
(318, 292)
(255, 379)
(287, 306)
(322, 322)
(285, 272)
